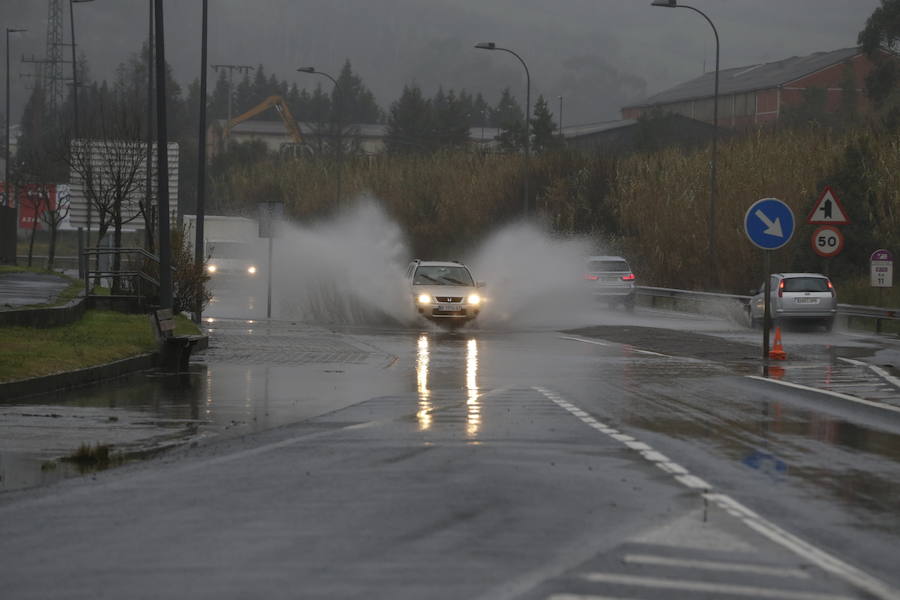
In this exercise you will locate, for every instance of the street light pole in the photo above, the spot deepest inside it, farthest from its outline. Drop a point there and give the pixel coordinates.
(525, 166)
(6, 202)
(8, 220)
(338, 93)
(561, 136)
(712, 169)
(200, 212)
(162, 161)
(75, 101)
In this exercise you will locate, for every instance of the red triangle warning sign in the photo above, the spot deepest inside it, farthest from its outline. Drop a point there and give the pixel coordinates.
(828, 210)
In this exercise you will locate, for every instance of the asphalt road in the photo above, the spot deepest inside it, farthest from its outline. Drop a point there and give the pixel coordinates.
(602, 456)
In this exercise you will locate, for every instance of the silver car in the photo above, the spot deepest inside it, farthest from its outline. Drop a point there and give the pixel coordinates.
(610, 279)
(796, 296)
(444, 292)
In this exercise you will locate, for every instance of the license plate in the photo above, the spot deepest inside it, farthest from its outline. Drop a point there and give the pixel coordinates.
(806, 300)
(449, 307)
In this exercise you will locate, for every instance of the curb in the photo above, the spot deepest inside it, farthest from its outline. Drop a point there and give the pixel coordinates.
(838, 404)
(61, 382)
(45, 317)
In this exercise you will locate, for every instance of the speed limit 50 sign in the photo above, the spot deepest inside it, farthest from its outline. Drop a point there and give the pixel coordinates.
(827, 241)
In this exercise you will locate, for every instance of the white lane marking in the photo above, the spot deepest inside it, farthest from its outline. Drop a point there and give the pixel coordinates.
(887, 376)
(578, 339)
(755, 522)
(703, 586)
(714, 565)
(692, 481)
(847, 397)
(599, 343)
(649, 353)
(584, 597)
(638, 446)
(852, 361)
(804, 549)
(878, 370)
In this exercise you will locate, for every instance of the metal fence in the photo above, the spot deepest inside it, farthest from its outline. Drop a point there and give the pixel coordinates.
(734, 306)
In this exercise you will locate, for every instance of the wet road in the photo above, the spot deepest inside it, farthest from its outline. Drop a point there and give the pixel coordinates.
(603, 456)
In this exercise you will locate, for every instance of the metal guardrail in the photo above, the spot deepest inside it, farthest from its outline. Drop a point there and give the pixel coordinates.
(724, 304)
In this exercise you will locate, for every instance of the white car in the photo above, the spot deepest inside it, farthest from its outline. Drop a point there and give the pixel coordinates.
(444, 291)
(610, 279)
(795, 296)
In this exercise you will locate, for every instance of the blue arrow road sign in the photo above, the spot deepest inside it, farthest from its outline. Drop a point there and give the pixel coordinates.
(769, 223)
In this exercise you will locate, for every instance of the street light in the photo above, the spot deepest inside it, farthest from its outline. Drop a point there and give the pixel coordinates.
(75, 100)
(339, 148)
(493, 46)
(7, 213)
(6, 202)
(712, 173)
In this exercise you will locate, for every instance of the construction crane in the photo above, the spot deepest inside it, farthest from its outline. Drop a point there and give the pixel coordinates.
(276, 102)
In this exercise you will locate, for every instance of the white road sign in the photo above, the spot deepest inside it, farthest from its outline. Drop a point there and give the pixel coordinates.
(882, 270)
(828, 210)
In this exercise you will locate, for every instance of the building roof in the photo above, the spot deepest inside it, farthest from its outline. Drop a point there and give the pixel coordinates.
(366, 130)
(751, 78)
(574, 131)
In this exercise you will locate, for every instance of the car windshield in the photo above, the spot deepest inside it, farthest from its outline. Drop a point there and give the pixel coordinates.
(805, 284)
(607, 266)
(228, 250)
(432, 275)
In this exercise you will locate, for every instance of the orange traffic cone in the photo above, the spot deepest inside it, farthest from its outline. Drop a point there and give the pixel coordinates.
(777, 352)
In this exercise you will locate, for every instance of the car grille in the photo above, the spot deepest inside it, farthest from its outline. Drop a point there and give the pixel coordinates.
(449, 313)
(448, 299)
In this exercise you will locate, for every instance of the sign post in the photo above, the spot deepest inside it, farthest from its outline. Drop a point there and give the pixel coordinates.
(270, 214)
(769, 224)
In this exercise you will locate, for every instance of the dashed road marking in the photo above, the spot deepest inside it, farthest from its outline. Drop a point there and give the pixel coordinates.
(714, 565)
(707, 587)
(805, 550)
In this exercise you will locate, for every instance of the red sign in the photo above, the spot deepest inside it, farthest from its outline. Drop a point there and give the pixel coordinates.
(827, 241)
(34, 199)
(828, 210)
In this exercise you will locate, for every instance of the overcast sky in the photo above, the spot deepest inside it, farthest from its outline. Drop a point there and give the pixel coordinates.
(597, 54)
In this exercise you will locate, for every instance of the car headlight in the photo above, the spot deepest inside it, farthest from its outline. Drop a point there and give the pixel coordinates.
(424, 299)
(252, 270)
(211, 268)
(474, 299)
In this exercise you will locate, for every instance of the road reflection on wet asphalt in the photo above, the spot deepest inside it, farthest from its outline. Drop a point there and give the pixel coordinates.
(677, 381)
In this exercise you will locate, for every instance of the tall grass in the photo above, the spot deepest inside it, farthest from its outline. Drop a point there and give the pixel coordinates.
(653, 206)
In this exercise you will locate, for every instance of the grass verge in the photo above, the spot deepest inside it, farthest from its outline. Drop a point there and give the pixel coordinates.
(98, 338)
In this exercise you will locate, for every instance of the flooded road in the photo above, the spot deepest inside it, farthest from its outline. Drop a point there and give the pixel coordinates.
(488, 405)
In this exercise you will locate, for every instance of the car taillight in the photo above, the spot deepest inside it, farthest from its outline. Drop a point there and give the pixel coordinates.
(781, 288)
(591, 277)
(831, 289)
(629, 277)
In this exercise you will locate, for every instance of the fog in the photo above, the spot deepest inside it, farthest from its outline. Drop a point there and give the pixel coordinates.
(596, 54)
(349, 270)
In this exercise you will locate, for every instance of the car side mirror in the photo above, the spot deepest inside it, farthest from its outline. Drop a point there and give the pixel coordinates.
(481, 284)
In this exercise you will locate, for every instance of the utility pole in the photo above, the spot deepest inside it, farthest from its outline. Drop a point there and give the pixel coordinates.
(231, 70)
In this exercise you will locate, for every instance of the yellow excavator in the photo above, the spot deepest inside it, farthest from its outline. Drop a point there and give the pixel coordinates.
(280, 105)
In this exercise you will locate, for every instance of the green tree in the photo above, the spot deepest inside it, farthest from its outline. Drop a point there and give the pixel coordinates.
(450, 120)
(882, 31)
(543, 128)
(509, 118)
(409, 123)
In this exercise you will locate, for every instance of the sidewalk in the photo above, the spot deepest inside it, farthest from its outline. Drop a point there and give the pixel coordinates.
(24, 289)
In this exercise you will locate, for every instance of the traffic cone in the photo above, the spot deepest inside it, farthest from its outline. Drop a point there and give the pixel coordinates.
(777, 352)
